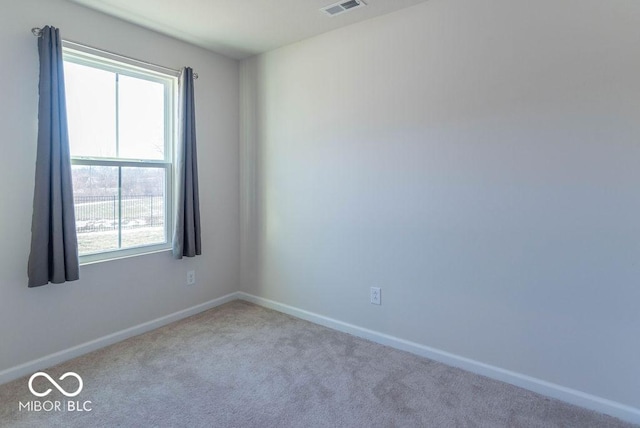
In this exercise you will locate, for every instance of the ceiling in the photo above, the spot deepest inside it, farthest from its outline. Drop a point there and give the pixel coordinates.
(240, 28)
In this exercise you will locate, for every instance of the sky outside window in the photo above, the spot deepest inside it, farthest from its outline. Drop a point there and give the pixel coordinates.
(93, 98)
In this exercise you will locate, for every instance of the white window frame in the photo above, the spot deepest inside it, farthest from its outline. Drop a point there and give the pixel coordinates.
(84, 55)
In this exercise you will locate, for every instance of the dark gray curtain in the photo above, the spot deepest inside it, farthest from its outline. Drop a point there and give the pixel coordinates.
(54, 246)
(186, 238)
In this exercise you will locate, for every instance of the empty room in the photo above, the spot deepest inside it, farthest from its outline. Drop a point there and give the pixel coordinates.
(309, 213)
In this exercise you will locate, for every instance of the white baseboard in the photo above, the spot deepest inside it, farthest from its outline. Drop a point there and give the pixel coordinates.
(84, 348)
(549, 389)
(572, 396)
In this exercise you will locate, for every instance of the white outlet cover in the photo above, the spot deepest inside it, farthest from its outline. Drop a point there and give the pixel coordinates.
(375, 296)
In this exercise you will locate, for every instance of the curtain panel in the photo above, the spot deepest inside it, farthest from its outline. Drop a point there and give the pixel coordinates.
(186, 238)
(54, 247)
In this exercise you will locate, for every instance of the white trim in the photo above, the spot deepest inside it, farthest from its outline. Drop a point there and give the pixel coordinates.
(539, 386)
(572, 396)
(92, 345)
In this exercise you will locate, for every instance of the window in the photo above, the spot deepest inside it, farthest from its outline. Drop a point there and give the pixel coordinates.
(121, 132)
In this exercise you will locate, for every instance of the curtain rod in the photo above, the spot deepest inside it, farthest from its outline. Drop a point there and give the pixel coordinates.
(36, 31)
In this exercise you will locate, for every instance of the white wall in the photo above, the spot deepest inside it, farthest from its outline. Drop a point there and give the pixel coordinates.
(479, 161)
(119, 294)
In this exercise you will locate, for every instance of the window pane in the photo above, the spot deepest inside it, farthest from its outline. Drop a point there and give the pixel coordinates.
(95, 194)
(91, 106)
(120, 205)
(143, 206)
(141, 115)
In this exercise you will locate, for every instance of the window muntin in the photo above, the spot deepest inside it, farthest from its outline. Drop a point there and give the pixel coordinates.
(121, 132)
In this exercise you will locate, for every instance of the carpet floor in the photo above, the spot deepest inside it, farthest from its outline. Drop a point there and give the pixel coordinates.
(241, 365)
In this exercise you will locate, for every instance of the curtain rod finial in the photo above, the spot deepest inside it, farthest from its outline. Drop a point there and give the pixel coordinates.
(36, 31)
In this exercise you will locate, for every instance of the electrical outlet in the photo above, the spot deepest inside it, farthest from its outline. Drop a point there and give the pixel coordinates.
(375, 296)
(191, 277)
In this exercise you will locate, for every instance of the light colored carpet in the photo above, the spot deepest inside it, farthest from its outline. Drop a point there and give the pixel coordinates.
(241, 365)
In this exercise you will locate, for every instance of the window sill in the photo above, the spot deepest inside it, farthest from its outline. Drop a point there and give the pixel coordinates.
(92, 259)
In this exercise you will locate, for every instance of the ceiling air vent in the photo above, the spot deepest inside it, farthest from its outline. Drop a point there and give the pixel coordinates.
(342, 7)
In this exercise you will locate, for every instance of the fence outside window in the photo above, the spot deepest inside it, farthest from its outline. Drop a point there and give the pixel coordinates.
(100, 213)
